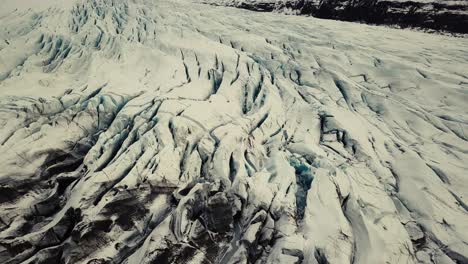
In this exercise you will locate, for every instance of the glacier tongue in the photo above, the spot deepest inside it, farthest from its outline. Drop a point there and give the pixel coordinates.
(172, 132)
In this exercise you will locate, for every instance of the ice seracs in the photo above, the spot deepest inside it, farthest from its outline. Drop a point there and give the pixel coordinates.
(174, 132)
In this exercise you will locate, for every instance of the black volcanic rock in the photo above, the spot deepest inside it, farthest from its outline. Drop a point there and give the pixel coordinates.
(447, 15)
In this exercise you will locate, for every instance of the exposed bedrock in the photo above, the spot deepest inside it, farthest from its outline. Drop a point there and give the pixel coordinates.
(445, 15)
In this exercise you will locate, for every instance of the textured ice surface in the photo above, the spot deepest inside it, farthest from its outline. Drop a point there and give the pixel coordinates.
(171, 132)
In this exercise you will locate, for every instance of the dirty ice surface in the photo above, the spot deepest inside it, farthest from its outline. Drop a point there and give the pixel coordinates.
(172, 132)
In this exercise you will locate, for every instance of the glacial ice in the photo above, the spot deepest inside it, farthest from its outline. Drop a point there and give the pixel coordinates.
(167, 131)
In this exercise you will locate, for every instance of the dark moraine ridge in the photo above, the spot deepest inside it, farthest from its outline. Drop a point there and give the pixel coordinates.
(446, 15)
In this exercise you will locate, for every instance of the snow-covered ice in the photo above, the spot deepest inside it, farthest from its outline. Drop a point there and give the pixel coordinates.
(165, 131)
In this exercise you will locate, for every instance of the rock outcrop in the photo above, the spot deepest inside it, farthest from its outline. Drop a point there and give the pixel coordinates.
(438, 15)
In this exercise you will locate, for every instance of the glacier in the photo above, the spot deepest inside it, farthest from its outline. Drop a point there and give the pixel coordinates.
(170, 131)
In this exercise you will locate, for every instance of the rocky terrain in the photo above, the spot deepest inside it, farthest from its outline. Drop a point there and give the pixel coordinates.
(168, 131)
(438, 15)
